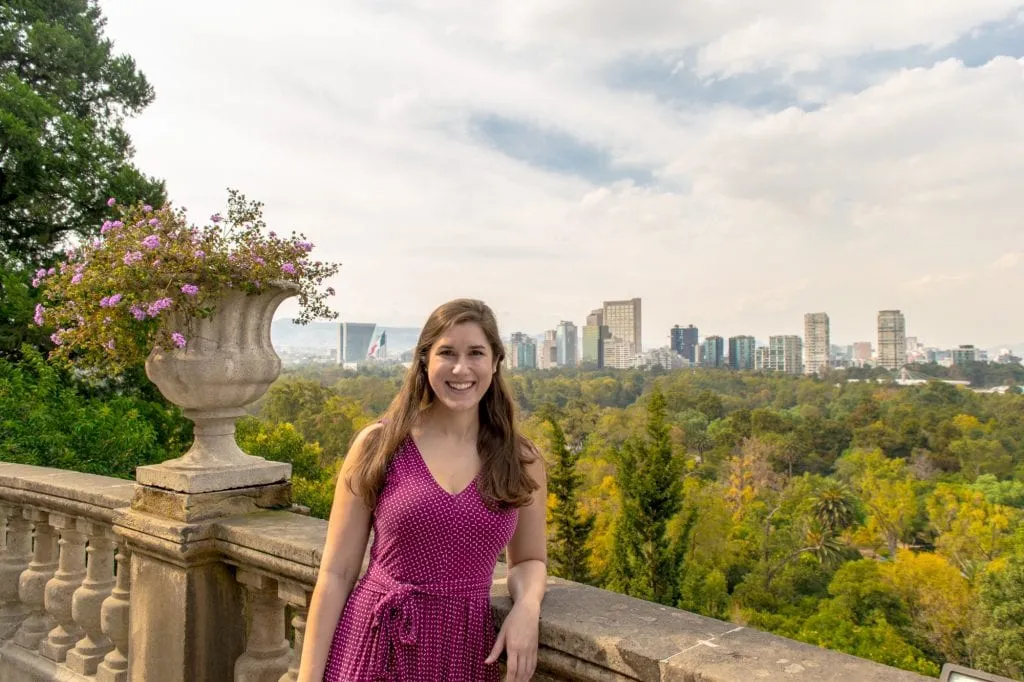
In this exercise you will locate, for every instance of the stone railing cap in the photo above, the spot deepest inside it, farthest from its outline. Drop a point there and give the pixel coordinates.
(100, 491)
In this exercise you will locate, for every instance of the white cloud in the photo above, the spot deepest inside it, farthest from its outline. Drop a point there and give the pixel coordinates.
(352, 124)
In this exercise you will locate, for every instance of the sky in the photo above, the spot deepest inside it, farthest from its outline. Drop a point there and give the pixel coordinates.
(735, 164)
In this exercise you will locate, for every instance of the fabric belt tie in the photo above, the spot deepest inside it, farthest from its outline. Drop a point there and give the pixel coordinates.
(396, 616)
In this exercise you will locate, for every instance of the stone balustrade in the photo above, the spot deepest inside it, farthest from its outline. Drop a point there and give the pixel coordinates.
(101, 579)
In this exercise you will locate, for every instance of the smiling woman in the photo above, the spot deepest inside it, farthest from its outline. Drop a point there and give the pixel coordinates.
(446, 482)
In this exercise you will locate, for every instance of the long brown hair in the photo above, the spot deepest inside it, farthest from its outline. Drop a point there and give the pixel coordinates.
(504, 480)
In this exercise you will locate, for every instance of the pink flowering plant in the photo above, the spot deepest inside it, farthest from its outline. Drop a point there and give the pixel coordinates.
(111, 301)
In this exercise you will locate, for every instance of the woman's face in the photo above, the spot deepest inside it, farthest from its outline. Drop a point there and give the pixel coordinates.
(460, 366)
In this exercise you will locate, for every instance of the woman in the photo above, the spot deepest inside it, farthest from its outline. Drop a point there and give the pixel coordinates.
(447, 482)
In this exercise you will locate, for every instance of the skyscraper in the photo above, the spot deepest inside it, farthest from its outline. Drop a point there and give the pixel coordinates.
(547, 352)
(594, 336)
(817, 343)
(567, 343)
(685, 341)
(712, 352)
(353, 342)
(522, 352)
(741, 353)
(623, 321)
(892, 340)
(786, 354)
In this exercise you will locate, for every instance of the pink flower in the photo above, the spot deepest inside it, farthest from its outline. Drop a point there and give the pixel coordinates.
(137, 312)
(288, 268)
(40, 273)
(109, 345)
(110, 301)
(56, 338)
(200, 253)
(190, 289)
(111, 201)
(39, 317)
(147, 208)
(132, 257)
(154, 221)
(36, 282)
(107, 225)
(305, 246)
(96, 242)
(77, 278)
(151, 242)
(69, 253)
(178, 340)
(258, 261)
(50, 271)
(156, 306)
(216, 218)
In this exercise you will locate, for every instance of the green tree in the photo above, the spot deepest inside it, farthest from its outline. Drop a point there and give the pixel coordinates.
(997, 643)
(572, 526)
(64, 97)
(650, 495)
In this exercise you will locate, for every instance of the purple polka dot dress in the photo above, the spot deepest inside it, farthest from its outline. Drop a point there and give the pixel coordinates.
(422, 610)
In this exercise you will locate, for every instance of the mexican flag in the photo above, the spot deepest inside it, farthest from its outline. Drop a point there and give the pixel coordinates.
(379, 343)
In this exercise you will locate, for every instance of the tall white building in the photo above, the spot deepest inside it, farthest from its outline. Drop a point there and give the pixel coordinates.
(892, 340)
(817, 343)
(567, 340)
(622, 318)
(786, 354)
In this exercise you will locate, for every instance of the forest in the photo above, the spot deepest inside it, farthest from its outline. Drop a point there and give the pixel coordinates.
(879, 520)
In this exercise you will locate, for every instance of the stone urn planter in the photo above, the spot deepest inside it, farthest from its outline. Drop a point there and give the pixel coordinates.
(227, 364)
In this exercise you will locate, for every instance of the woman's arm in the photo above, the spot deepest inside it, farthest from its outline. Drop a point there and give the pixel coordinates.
(347, 532)
(527, 580)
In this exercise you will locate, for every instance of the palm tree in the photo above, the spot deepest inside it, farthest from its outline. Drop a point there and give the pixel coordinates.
(834, 507)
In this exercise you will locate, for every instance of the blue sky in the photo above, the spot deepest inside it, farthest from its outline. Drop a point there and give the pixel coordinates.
(734, 164)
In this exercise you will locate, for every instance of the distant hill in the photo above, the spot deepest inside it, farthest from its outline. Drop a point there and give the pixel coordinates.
(286, 334)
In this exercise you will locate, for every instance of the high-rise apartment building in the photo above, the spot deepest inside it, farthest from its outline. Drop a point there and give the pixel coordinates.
(892, 340)
(860, 353)
(741, 353)
(712, 352)
(521, 352)
(786, 354)
(594, 337)
(817, 343)
(762, 359)
(567, 344)
(964, 355)
(685, 341)
(623, 321)
(547, 352)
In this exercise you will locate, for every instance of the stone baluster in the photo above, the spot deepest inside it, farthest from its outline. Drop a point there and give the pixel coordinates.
(114, 621)
(32, 584)
(297, 596)
(266, 648)
(16, 537)
(88, 599)
(60, 590)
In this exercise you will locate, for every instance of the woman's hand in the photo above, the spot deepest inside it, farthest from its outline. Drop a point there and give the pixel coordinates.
(518, 637)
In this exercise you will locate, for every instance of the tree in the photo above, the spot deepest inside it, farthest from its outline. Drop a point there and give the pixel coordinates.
(651, 494)
(572, 527)
(834, 507)
(64, 97)
(997, 643)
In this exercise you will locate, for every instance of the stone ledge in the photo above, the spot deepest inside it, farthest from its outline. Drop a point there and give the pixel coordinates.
(589, 633)
(18, 664)
(99, 491)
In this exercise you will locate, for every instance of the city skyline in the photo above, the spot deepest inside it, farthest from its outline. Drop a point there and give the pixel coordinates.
(733, 169)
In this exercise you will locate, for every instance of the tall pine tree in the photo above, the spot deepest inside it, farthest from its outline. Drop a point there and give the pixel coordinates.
(650, 489)
(572, 527)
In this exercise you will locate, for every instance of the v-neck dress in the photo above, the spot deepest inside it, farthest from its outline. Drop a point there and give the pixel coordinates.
(422, 610)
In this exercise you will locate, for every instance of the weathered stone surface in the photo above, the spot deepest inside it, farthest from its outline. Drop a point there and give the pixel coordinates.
(244, 473)
(588, 633)
(18, 664)
(54, 489)
(193, 507)
(186, 623)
